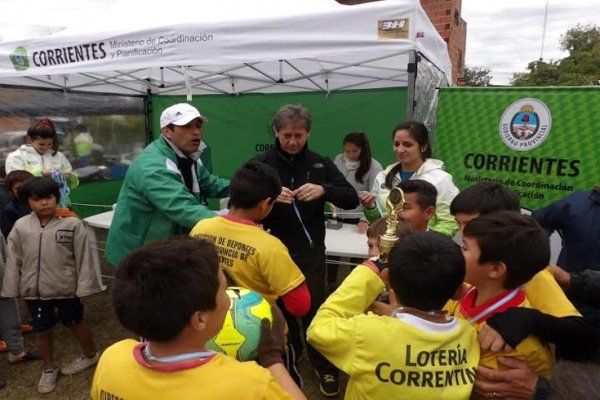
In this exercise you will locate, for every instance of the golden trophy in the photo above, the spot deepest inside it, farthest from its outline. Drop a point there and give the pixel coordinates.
(394, 204)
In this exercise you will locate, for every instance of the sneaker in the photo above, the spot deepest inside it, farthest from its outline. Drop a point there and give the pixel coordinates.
(3, 347)
(80, 363)
(25, 355)
(47, 382)
(329, 385)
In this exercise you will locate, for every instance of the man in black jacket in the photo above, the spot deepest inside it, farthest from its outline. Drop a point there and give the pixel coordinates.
(309, 180)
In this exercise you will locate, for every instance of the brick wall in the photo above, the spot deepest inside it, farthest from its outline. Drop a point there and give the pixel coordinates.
(445, 15)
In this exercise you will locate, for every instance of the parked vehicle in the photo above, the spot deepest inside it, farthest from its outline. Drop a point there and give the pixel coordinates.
(92, 173)
(9, 142)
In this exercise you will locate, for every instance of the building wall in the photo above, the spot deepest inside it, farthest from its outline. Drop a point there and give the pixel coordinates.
(446, 16)
(8, 124)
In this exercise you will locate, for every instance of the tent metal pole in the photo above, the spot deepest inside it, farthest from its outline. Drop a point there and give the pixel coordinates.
(305, 76)
(48, 89)
(148, 117)
(99, 80)
(412, 77)
(252, 67)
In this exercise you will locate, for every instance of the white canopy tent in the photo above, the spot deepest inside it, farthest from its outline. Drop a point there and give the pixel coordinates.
(224, 47)
(360, 67)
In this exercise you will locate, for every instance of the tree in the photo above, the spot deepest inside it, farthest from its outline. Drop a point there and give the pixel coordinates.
(580, 39)
(477, 76)
(580, 67)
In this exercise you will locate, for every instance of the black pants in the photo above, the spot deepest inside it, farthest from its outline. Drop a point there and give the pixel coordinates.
(312, 265)
(332, 270)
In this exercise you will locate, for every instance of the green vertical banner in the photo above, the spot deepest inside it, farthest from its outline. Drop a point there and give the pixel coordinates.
(542, 143)
(238, 127)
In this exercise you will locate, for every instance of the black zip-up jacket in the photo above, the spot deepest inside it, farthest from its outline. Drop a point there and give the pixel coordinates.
(295, 171)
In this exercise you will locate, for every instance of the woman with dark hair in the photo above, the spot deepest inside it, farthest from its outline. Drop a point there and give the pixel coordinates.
(360, 170)
(413, 152)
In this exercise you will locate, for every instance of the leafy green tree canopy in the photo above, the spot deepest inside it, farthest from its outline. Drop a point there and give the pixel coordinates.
(580, 68)
(477, 76)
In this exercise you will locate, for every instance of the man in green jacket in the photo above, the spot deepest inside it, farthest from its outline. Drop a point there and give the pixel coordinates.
(160, 196)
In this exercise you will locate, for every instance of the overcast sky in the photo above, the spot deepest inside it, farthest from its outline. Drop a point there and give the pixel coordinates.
(505, 35)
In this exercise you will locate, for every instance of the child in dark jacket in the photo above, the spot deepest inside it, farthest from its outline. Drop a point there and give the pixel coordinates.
(14, 208)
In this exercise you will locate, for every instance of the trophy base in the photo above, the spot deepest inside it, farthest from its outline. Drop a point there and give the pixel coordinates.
(333, 224)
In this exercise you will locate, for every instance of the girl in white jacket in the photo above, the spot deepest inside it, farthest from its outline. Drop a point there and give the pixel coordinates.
(360, 170)
(413, 151)
(40, 156)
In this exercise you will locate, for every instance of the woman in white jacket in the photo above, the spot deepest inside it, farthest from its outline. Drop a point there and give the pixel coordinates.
(40, 156)
(413, 152)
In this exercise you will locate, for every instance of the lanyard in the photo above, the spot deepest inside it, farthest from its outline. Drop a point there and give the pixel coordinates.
(297, 211)
(64, 190)
(306, 233)
(196, 355)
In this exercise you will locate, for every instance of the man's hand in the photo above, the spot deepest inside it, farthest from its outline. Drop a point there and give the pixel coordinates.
(490, 339)
(516, 381)
(562, 277)
(367, 199)
(309, 192)
(514, 324)
(286, 196)
(380, 308)
(385, 309)
(270, 347)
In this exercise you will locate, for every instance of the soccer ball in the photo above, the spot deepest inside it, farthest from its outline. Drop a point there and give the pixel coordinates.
(240, 334)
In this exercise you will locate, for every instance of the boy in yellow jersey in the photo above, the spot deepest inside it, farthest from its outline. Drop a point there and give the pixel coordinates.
(503, 251)
(251, 257)
(414, 353)
(572, 337)
(482, 198)
(172, 292)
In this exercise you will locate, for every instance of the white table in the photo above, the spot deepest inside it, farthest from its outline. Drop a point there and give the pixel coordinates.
(101, 221)
(344, 242)
(97, 221)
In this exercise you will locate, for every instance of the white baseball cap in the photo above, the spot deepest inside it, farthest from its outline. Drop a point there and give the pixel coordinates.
(179, 114)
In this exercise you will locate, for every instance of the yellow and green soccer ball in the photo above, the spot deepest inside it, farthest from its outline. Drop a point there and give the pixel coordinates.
(240, 334)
